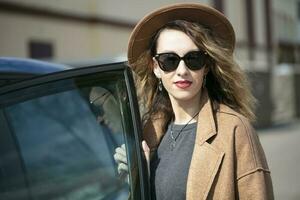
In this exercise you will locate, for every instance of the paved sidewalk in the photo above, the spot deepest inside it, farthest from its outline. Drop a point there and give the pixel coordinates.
(282, 148)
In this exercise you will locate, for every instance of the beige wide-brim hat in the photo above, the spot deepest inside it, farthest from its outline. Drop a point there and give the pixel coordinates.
(145, 29)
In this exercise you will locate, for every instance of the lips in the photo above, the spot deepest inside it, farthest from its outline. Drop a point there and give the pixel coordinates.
(183, 84)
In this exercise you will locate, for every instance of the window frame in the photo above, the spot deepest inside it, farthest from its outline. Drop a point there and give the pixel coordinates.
(14, 93)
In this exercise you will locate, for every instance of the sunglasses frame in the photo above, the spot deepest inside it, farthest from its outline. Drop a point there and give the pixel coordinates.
(160, 64)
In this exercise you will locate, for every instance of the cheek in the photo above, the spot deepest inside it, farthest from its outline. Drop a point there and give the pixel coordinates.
(156, 69)
(198, 78)
(167, 80)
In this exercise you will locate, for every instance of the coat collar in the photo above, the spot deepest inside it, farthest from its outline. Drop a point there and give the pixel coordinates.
(206, 120)
(206, 159)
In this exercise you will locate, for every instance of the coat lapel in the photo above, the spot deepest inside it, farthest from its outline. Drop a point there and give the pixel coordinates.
(206, 160)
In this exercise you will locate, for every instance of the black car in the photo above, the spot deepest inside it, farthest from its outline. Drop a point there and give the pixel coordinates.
(59, 128)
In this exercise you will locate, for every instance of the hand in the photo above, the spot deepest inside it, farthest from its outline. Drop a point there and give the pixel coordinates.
(121, 159)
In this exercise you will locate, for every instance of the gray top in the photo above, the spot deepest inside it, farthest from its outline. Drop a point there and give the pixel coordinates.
(170, 166)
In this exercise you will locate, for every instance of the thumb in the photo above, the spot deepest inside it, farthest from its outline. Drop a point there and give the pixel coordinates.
(146, 150)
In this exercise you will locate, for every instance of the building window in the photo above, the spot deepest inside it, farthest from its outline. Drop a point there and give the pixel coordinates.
(298, 9)
(286, 53)
(219, 5)
(40, 49)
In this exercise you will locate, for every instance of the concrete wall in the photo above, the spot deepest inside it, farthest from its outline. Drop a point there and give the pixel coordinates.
(74, 40)
(86, 7)
(71, 40)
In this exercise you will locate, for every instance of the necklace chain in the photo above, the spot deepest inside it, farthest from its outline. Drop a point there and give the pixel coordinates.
(173, 143)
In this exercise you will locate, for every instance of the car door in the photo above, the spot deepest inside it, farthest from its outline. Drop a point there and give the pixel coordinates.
(58, 135)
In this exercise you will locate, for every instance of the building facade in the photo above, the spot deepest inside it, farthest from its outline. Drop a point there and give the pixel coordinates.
(267, 31)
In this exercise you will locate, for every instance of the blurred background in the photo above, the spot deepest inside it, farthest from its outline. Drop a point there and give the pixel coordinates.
(81, 32)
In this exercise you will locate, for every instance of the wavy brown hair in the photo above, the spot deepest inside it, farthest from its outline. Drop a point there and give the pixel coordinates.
(225, 82)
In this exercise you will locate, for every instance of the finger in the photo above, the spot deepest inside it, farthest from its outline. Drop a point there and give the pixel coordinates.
(122, 168)
(121, 151)
(119, 158)
(146, 150)
(123, 146)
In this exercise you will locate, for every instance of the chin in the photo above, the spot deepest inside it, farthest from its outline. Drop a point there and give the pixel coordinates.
(184, 97)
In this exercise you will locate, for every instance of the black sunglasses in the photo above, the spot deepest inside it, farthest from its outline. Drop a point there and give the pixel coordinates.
(97, 104)
(194, 60)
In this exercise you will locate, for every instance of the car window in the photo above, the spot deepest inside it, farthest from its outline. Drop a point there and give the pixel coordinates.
(61, 137)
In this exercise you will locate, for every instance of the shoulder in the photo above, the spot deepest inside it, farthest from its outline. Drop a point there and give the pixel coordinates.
(235, 126)
(229, 112)
(226, 116)
(249, 153)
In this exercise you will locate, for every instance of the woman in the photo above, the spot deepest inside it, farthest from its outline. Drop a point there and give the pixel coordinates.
(198, 107)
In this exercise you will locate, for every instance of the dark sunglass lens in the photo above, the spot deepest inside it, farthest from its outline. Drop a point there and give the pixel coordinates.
(195, 60)
(168, 61)
(96, 110)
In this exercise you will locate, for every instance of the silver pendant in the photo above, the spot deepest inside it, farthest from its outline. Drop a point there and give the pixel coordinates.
(173, 144)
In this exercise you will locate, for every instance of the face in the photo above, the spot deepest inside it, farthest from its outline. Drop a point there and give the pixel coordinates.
(182, 84)
(106, 109)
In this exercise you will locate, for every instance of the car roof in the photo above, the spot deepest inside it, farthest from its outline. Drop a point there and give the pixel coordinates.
(16, 69)
(26, 65)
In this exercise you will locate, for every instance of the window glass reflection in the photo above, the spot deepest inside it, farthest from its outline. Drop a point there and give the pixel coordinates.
(66, 143)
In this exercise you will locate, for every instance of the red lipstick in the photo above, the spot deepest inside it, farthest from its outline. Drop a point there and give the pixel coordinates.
(183, 84)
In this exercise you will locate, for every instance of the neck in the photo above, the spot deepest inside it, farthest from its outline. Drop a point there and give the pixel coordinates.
(185, 110)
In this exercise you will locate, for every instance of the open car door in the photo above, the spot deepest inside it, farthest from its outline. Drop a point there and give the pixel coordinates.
(58, 134)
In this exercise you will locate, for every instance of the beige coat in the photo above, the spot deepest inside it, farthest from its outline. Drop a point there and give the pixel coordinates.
(228, 161)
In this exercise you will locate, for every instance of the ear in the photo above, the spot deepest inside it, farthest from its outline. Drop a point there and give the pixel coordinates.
(206, 70)
(156, 69)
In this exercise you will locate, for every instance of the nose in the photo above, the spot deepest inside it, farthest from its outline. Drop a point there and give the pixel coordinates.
(182, 69)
